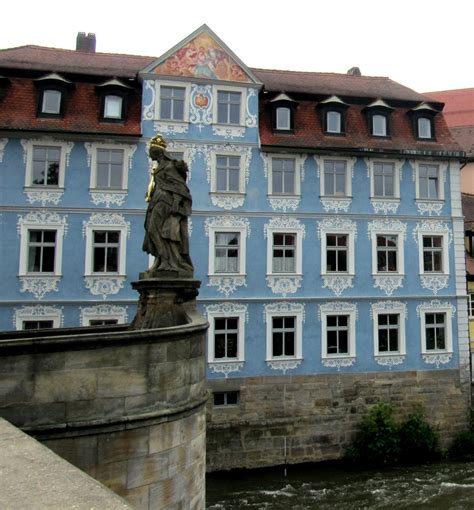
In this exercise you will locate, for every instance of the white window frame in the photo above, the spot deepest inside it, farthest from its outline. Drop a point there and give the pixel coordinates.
(352, 313)
(430, 124)
(284, 310)
(340, 120)
(390, 308)
(350, 251)
(243, 101)
(298, 233)
(107, 99)
(240, 314)
(441, 175)
(400, 252)
(58, 93)
(28, 147)
(25, 229)
(38, 313)
(448, 311)
(101, 312)
(128, 151)
(278, 120)
(187, 95)
(348, 181)
(470, 304)
(444, 250)
(90, 228)
(242, 161)
(297, 183)
(385, 125)
(397, 165)
(242, 249)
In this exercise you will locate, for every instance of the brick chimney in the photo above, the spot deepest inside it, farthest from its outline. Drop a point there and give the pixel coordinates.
(85, 42)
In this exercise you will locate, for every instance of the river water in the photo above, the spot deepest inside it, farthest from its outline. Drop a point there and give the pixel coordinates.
(440, 486)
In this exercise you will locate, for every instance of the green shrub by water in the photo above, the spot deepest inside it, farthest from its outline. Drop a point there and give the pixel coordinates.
(381, 441)
(463, 444)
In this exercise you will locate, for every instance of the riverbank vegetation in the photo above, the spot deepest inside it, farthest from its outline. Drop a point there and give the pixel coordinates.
(382, 441)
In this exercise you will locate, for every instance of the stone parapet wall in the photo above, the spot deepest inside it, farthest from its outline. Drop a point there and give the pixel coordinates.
(294, 419)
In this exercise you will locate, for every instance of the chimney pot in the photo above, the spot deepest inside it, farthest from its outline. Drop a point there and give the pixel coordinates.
(85, 42)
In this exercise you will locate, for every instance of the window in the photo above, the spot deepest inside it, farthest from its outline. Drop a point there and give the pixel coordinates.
(378, 117)
(388, 325)
(333, 122)
(428, 182)
(45, 167)
(384, 180)
(470, 304)
(436, 334)
(51, 102)
(387, 253)
(337, 246)
(38, 324)
(113, 107)
(284, 253)
(102, 315)
(109, 173)
(283, 176)
(435, 327)
(379, 125)
(102, 322)
(105, 251)
(41, 251)
(227, 252)
(228, 174)
(338, 330)
(283, 337)
(335, 178)
(424, 127)
(432, 254)
(229, 107)
(389, 329)
(172, 102)
(226, 332)
(226, 398)
(283, 118)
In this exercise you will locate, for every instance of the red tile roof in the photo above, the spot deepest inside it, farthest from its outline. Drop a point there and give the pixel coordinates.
(71, 61)
(459, 106)
(464, 135)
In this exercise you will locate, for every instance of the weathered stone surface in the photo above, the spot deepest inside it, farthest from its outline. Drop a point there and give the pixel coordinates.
(123, 445)
(62, 386)
(115, 382)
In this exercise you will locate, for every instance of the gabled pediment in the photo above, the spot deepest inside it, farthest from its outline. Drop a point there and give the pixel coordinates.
(202, 55)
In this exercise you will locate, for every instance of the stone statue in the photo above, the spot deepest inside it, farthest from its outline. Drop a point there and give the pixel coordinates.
(166, 221)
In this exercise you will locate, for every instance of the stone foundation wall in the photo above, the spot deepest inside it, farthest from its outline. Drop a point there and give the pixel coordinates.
(314, 418)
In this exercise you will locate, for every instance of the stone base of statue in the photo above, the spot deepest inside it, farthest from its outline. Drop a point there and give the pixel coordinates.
(167, 299)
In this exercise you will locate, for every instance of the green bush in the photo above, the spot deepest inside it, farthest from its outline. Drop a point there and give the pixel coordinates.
(463, 444)
(380, 441)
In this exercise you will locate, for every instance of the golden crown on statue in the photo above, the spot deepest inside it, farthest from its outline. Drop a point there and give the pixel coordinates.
(158, 141)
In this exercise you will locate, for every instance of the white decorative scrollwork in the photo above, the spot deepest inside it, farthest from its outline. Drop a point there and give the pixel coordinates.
(168, 128)
(3, 144)
(200, 108)
(433, 306)
(336, 223)
(104, 285)
(431, 227)
(42, 217)
(430, 208)
(148, 109)
(284, 204)
(129, 151)
(284, 223)
(39, 285)
(385, 206)
(389, 361)
(387, 307)
(283, 307)
(227, 221)
(250, 119)
(37, 312)
(388, 283)
(227, 284)
(338, 363)
(28, 144)
(336, 204)
(284, 365)
(338, 283)
(434, 283)
(284, 284)
(105, 311)
(107, 198)
(227, 308)
(227, 201)
(437, 359)
(226, 368)
(208, 150)
(228, 131)
(44, 196)
(105, 219)
(337, 306)
(387, 225)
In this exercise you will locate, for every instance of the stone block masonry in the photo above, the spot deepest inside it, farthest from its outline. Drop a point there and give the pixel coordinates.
(313, 418)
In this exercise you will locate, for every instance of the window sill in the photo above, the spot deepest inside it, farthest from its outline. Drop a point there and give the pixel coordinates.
(227, 283)
(39, 283)
(227, 200)
(338, 361)
(284, 364)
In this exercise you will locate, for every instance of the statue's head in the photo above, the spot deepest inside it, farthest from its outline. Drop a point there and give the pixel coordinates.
(158, 142)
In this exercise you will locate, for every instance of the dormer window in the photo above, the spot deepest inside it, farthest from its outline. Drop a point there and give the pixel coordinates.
(52, 90)
(114, 97)
(378, 115)
(423, 121)
(333, 112)
(283, 112)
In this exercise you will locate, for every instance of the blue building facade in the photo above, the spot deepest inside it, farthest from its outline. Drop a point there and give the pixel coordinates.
(327, 228)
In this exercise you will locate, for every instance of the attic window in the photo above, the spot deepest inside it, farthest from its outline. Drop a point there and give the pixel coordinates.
(283, 111)
(378, 116)
(423, 121)
(52, 90)
(113, 100)
(333, 115)
(51, 102)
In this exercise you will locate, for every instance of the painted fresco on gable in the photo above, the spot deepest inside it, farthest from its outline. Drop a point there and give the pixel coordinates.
(202, 57)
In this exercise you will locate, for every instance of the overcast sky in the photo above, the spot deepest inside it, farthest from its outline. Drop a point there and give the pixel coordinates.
(426, 45)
